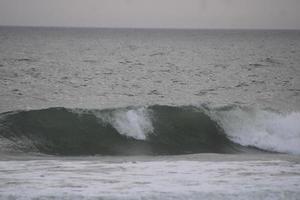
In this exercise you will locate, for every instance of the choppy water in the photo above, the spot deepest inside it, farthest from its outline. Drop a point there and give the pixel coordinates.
(172, 178)
(87, 68)
(152, 93)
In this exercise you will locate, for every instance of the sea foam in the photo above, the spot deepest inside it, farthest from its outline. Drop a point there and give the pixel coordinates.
(135, 123)
(263, 129)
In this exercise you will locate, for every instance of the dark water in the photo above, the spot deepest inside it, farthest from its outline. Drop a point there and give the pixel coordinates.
(162, 130)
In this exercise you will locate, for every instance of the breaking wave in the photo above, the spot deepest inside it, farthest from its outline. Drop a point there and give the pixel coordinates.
(268, 130)
(152, 130)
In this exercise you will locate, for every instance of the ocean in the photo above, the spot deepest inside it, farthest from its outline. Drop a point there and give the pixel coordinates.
(89, 113)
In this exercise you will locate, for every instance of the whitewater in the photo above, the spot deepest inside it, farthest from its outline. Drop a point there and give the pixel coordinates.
(149, 114)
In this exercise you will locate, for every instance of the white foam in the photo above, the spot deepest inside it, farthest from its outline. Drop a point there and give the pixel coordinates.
(135, 123)
(173, 179)
(262, 129)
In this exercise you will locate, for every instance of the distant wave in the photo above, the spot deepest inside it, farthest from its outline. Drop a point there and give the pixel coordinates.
(152, 130)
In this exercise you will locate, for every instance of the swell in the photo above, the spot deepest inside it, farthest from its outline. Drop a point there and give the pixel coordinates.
(153, 130)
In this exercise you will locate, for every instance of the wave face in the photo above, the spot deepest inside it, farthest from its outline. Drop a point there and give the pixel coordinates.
(153, 130)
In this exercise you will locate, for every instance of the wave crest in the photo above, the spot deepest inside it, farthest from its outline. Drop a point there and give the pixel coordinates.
(135, 123)
(153, 130)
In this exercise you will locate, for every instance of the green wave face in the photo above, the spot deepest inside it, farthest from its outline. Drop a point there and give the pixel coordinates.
(154, 130)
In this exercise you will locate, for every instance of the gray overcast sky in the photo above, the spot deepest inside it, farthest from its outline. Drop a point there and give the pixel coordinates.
(265, 14)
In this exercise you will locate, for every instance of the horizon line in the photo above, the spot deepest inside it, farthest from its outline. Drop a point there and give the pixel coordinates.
(149, 28)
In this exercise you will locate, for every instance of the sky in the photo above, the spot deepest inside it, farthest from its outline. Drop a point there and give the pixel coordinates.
(237, 14)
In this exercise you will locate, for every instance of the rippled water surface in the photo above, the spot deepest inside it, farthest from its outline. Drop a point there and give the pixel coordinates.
(95, 68)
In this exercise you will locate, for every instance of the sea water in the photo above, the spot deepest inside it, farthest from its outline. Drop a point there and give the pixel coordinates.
(149, 114)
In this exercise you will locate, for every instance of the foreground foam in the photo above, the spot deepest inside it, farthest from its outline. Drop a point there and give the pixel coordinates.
(173, 179)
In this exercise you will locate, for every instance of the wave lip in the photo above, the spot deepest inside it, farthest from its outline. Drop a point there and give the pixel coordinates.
(152, 130)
